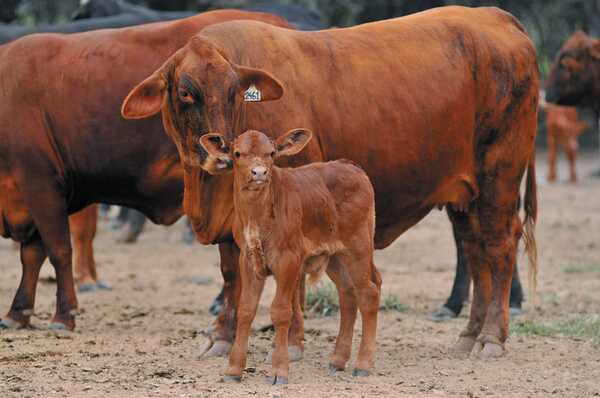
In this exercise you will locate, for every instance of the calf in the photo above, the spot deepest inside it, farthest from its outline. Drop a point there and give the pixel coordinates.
(562, 129)
(287, 221)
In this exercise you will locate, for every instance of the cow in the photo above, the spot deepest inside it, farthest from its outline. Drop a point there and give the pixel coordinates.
(574, 77)
(453, 126)
(64, 145)
(562, 129)
(287, 221)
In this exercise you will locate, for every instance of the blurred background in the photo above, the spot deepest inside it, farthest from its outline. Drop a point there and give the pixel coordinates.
(549, 22)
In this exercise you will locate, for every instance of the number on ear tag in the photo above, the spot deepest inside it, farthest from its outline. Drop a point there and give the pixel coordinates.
(252, 94)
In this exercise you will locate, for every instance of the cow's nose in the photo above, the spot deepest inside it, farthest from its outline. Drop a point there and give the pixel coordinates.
(259, 172)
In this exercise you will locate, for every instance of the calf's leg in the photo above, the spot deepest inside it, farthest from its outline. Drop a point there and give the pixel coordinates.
(83, 230)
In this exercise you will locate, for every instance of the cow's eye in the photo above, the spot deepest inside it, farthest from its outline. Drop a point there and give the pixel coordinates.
(185, 96)
(273, 154)
(236, 154)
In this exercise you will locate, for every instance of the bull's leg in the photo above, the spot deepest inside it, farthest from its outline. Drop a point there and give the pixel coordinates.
(83, 230)
(551, 157)
(32, 258)
(348, 311)
(251, 289)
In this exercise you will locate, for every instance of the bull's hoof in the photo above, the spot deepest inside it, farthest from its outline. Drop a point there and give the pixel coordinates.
(277, 381)
(464, 345)
(333, 368)
(487, 350)
(57, 326)
(219, 348)
(514, 312)
(360, 373)
(295, 354)
(232, 379)
(87, 287)
(11, 324)
(103, 286)
(442, 314)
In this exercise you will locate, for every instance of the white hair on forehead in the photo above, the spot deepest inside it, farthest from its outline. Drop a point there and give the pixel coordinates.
(83, 2)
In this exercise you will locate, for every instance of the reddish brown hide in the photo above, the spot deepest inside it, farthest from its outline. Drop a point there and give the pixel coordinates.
(314, 218)
(439, 108)
(64, 145)
(562, 129)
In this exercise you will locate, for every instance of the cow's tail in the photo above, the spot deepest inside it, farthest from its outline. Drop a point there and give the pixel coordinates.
(529, 224)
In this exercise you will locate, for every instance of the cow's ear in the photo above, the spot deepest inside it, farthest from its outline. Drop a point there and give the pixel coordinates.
(595, 49)
(216, 160)
(258, 85)
(145, 99)
(292, 142)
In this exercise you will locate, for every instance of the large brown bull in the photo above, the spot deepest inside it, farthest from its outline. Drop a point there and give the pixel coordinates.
(63, 144)
(439, 108)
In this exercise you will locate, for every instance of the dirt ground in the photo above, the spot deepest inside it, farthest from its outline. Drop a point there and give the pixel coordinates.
(141, 340)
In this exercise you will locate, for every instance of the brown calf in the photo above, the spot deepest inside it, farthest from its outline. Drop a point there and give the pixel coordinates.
(315, 218)
(562, 129)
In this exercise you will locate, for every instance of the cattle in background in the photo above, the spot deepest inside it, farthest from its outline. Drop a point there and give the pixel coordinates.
(562, 129)
(63, 142)
(368, 97)
(316, 218)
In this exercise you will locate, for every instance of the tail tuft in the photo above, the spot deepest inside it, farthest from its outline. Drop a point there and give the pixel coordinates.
(529, 230)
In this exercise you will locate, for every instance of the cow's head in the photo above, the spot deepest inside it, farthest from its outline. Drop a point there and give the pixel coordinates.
(574, 76)
(199, 91)
(250, 156)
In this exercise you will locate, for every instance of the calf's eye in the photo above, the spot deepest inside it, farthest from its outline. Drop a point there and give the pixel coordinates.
(236, 154)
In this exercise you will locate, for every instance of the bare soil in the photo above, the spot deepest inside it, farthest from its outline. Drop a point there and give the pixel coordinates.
(141, 339)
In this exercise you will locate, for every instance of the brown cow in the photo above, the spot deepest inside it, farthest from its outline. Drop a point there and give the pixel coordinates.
(315, 218)
(574, 77)
(63, 144)
(453, 125)
(562, 129)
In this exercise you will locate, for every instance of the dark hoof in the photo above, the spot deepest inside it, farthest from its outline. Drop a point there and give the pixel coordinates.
(87, 287)
(442, 314)
(57, 326)
(103, 286)
(360, 373)
(514, 312)
(277, 381)
(230, 379)
(7, 323)
(334, 368)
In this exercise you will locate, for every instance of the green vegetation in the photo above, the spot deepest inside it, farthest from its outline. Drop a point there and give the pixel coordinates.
(322, 299)
(582, 328)
(581, 268)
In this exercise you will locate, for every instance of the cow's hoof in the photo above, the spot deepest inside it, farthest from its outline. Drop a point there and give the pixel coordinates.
(11, 324)
(514, 312)
(103, 286)
(487, 350)
(442, 314)
(87, 287)
(295, 354)
(232, 379)
(360, 373)
(277, 380)
(464, 345)
(333, 368)
(57, 326)
(219, 348)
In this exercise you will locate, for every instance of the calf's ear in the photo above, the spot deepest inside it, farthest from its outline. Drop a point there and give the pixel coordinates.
(292, 142)
(216, 160)
(145, 99)
(258, 85)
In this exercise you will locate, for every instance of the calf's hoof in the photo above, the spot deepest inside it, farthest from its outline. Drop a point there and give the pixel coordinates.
(464, 345)
(487, 350)
(87, 287)
(232, 379)
(360, 373)
(218, 348)
(442, 314)
(277, 381)
(295, 354)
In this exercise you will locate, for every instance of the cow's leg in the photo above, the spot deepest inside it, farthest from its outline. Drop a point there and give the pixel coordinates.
(222, 331)
(83, 230)
(460, 288)
(572, 157)
(287, 276)
(367, 285)
(551, 141)
(348, 311)
(251, 289)
(33, 255)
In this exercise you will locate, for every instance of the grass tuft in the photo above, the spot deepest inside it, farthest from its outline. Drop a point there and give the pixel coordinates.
(322, 299)
(587, 328)
(581, 268)
(391, 302)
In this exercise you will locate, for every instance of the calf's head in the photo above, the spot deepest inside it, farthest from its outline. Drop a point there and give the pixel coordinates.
(574, 78)
(199, 91)
(250, 156)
